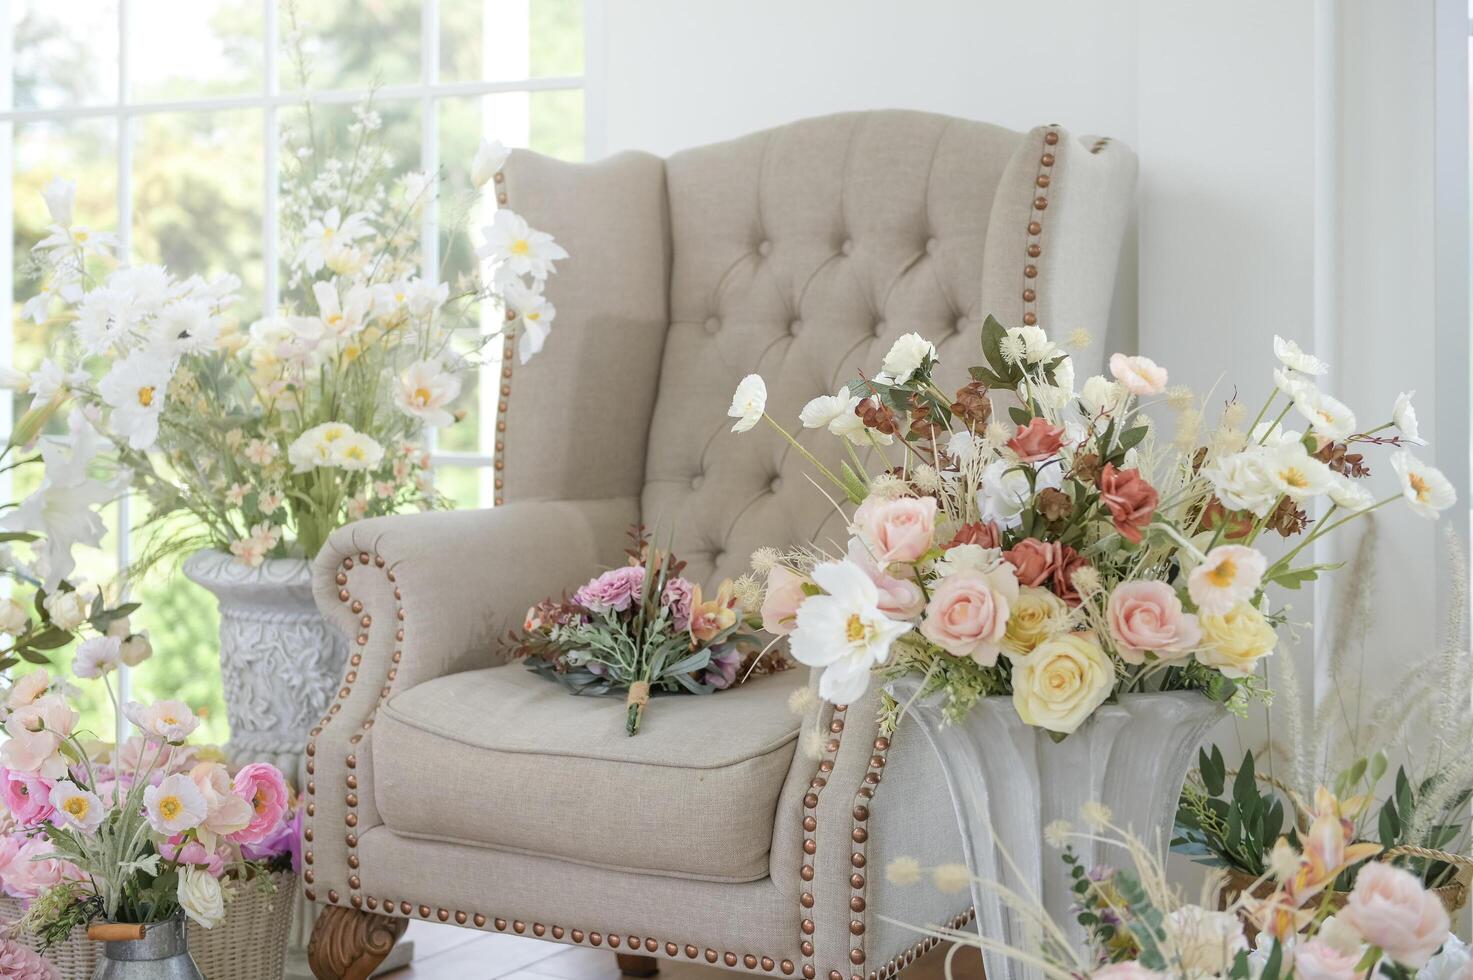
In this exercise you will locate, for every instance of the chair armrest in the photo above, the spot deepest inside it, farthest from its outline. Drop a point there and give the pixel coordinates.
(419, 596)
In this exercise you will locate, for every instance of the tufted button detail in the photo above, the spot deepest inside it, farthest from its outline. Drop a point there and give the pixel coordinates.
(764, 249)
(879, 328)
(848, 247)
(795, 328)
(961, 324)
(932, 246)
(775, 485)
(713, 324)
(716, 557)
(697, 480)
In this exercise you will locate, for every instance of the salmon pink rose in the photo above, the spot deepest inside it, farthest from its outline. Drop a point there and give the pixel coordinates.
(968, 613)
(264, 788)
(1147, 617)
(1037, 440)
(982, 533)
(1132, 501)
(1048, 564)
(1318, 960)
(896, 530)
(1390, 909)
(785, 593)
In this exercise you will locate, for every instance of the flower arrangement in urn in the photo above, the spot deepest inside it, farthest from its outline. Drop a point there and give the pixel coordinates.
(267, 438)
(643, 628)
(1141, 928)
(1067, 555)
(140, 832)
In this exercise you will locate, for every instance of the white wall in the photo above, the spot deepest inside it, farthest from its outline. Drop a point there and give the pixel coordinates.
(1287, 168)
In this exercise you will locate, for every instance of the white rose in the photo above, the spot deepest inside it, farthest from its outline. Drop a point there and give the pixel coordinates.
(1034, 343)
(14, 617)
(136, 649)
(1062, 682)
(907, 355)
(1242, 481)
(1004, 492)
(68, 610)
(1203, 943)
(1099, 395)
(201, 897)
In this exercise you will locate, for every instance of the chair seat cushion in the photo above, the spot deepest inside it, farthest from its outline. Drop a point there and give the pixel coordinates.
(508, 759)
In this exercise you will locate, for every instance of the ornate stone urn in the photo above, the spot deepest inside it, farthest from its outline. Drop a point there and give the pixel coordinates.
(279, 658)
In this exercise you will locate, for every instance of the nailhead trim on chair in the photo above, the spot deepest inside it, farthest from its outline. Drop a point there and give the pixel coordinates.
(1033, 244)
(858, 858)
(498, 457)
(810, 841)
(909, 956)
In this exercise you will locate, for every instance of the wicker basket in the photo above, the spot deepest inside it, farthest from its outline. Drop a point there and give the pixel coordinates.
(249, 945)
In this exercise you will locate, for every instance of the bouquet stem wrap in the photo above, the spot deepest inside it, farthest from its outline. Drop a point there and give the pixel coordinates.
(639, 696)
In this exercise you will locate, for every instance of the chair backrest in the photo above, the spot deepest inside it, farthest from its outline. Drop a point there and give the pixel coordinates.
(801, 253)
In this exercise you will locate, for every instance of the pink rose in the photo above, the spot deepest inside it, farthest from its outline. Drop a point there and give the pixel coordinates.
(1132, 501)
(32, 870)
(264, 788)
(1147, 617)
(900, 598)
(1047, 564)
(781, 601)
(896, 530)
(1126, 971)
(19, 962)
(1139, 375)
(1390, 909)
(1316, 959)
(27, 796)
(676, 597)
(614, 590)
(1036, 440)
(968, 613)
(226, 813)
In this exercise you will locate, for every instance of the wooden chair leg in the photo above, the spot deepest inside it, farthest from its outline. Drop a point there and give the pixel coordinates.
(348, 944)
(637, 966)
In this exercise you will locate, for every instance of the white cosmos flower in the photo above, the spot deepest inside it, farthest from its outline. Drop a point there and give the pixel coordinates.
(1404, 417)
(844, 631)
(823, 411)
(489, 159)
(850, 426)
(325, 233)
(317, 446)
(1004, 493)
(1289, 355)
(106, 316)
(1297, 474)
(519, 249)
(1426, 490)
(535, 312)
(97, 655)
(1033, 344)
(1327, 416)
(50, 380)
(1349, 495)
(1241, 481)
(76, 807)
(1291, 384)
(1229, 574)
(424, 390)
(58, 194)
(342, 316)
(174, 805)
(185, 327)
(134, 389)
(357, 452)
(748, 403)
(906, 356)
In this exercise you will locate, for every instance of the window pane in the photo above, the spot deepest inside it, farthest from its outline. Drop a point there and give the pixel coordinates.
(183, 625)
(466, 486)
(500, 40)
(66, 52)
(349, 44)
(190, 49)
(197, 196)
(81, 150)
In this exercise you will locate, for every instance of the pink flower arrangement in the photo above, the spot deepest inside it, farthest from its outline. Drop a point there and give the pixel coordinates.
(613, 591)
(18, 962)
(1391, 909)
(27, 796)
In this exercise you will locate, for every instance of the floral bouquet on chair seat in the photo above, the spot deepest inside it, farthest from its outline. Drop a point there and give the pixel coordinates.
(643, 628)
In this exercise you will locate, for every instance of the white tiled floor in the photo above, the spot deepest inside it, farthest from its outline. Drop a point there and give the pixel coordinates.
(447, 953)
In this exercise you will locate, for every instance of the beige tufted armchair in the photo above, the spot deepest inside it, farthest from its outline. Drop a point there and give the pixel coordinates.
(448, 785)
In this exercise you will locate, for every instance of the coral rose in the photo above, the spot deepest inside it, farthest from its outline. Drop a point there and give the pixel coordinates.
(1037, 440)
(785, 593)
(896, 530)
(968, 613)
(1046, 563)
(1390, 909)
(1132, 501)
(1062, 682)
(983, 533)
(1147, 617)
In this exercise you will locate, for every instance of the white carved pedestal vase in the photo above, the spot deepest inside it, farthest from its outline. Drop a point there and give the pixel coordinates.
(1009, 781)
(279, 658)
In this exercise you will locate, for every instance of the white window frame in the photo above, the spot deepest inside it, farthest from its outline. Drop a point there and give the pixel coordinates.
(428, 92)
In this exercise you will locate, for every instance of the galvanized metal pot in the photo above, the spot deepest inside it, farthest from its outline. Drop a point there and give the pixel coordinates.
(162, 954)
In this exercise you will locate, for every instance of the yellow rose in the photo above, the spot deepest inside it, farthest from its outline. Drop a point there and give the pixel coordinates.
(1236, 640)
(1062, 682)
(1036, 616)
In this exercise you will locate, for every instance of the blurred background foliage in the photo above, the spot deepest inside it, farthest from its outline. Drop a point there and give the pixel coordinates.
(198, 189)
